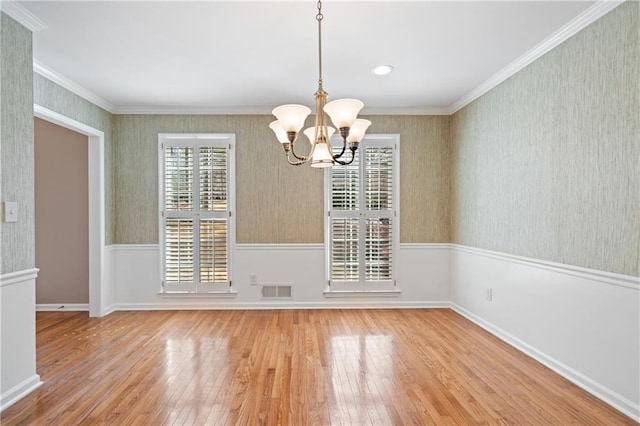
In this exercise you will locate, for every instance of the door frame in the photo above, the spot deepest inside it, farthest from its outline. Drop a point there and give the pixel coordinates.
(98, 288)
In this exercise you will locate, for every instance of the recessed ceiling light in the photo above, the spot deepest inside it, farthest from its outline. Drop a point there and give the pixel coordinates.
(382, 70)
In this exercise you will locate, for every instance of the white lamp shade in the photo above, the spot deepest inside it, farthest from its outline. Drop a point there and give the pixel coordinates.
(310, 133)
(343, 112)
(291, 117)
(321, 156)
(357, 131)
(279, 131)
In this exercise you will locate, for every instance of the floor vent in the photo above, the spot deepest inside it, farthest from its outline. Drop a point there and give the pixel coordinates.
(276, 291)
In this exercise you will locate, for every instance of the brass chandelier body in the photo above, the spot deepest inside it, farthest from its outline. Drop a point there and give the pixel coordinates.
(343, 113)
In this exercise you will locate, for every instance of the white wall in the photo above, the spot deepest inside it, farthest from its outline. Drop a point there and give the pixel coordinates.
(135, 271)
(17, 336)
(582, 323)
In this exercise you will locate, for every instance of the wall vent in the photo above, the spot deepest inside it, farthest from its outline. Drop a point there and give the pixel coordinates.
(276, 291)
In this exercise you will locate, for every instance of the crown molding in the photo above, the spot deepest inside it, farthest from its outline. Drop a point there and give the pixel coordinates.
(72, 86)
(202, 110)
(22, 15)
(586, 18)
(191, 110)
(405, 111)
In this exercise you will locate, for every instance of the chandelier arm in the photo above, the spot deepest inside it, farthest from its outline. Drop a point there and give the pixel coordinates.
(344, 148)
(304, 158)
(297, 163)
(288, 148)
(346, 163)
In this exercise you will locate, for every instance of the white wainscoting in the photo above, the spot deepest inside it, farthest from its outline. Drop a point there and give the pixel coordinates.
(18, 336)
(423, 278)
(109, 282)
(582, 323)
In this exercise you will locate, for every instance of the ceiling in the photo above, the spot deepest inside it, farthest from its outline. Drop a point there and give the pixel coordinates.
(247, 57)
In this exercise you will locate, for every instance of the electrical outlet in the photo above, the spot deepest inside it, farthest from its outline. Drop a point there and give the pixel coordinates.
(10, 211)
(253, 279)
(489, 294)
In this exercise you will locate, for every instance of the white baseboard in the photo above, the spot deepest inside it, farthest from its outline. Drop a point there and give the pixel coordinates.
(19, 391)
(110, 309)
(607, 395)
(209, 305)
(73, 307)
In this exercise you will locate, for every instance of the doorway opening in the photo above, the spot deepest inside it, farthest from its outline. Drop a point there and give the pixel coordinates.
(61, 217)
(99, 294)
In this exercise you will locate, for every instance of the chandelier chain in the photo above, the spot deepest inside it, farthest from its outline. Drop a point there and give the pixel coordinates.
(319, 18)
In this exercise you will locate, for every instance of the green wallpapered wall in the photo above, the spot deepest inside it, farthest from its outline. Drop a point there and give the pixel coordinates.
(16, 148)
(275, 202)
(546, 165)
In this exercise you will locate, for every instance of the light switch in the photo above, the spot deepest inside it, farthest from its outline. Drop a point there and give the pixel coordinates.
(10, 211)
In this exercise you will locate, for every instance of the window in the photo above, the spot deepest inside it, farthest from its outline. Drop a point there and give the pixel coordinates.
(362, 217)
(196, 204)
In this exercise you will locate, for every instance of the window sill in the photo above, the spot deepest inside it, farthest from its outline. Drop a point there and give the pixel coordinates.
(371, 293)
(202, 295)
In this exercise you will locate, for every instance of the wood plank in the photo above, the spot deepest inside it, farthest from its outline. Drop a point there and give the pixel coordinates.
(291, 367)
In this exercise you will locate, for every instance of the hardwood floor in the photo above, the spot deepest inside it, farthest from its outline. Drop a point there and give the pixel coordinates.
(293, 367)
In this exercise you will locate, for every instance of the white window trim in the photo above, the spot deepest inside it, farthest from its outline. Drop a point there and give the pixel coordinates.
(358, 289)
(174, 139)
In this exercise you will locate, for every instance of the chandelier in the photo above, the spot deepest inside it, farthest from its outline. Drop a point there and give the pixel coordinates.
(343, 114)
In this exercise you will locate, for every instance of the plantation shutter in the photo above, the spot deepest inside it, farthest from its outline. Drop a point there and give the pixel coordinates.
(362, 209)
(196, 214)
(379, 201)
(179, 260)
(345, 224)
(213, 228)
